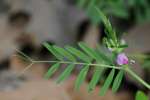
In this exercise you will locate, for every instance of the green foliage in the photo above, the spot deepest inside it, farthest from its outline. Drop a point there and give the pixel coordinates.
(118, 8)
(141, 96)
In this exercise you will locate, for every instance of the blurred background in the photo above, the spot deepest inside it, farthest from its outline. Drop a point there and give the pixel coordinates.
(26, 24)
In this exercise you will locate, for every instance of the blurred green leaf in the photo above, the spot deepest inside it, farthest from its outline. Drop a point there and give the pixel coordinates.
(141, 96)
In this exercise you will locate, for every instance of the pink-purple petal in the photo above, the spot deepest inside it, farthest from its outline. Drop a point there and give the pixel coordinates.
(122, 59)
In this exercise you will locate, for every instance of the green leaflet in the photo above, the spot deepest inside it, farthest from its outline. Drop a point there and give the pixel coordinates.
(107, 83)
(91, 52)
(96, 77)
(141, 96)
(50, 48)
(81, 77)
(110, 32)
(117, 81)
(52, 70)
(79, 54)
(64, 53)
(66, 73)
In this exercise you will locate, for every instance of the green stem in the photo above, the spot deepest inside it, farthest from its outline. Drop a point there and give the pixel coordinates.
(137, 77)
(79, 63)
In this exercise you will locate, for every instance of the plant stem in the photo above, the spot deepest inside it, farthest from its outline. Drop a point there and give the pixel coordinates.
(137, 77)
(79, 63)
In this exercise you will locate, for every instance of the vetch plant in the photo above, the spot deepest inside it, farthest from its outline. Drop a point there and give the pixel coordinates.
(85, 56)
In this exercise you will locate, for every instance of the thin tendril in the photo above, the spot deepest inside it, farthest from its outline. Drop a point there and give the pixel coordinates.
(24, 55)
(25, 69)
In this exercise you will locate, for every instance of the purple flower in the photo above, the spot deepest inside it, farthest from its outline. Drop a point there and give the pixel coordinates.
(122, 59)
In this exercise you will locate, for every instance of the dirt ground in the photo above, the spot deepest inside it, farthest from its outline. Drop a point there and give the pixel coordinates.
(49, 90)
